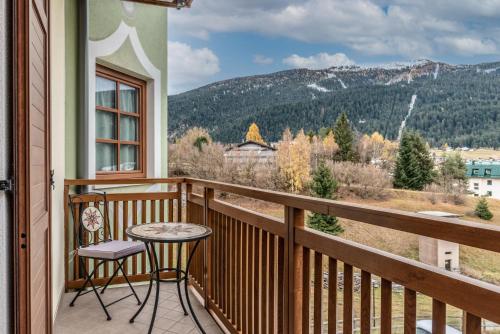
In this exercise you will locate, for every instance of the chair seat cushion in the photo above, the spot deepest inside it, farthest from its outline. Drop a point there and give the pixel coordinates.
(112, 250)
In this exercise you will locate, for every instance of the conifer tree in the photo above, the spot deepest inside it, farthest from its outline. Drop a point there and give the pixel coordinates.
(253, 134)
(324, 185)
(414, 165)
(482, 210)
(344, 137)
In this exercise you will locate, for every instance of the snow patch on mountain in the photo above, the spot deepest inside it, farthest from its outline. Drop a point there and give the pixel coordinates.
(490, 70)
(318, 88)
(342, 83)
(436, 71)
(410, 109)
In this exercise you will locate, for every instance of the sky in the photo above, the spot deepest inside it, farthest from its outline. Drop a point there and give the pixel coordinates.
(216, 40)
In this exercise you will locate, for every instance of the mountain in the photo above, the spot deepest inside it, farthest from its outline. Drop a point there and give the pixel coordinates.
(454, 104)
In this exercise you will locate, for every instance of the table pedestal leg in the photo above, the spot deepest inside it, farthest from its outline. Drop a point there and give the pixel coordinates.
(186, 281)
(151, 272)
(178, 275)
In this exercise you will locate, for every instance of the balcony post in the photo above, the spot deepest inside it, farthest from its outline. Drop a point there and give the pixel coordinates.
(208, 195)
(293, 280)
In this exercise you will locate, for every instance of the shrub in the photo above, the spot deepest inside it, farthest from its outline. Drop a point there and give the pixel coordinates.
(482, 210)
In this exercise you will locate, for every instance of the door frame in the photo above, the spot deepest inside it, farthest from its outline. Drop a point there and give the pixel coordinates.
(20, 117)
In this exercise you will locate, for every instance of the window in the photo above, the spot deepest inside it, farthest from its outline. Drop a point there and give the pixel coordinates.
(487, 172)
(120, 121)
(475, 171)
(447, 264)
(489, 193)
(476, 186)
(489, 182)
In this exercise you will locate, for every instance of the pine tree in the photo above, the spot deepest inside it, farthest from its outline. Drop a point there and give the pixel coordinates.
(324, 185)
(253, 134)
(414, 165)
(344, 137)
(482, 210)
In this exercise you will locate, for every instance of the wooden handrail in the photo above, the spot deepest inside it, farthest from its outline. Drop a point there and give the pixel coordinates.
(123, 181)
(468, 233)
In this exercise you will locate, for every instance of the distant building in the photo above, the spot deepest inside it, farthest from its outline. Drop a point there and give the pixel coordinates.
(484, 178)
(251, 150)
(440, 253)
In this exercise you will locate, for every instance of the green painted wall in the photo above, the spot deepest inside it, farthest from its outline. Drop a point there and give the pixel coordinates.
(71, 36)
(105, 16)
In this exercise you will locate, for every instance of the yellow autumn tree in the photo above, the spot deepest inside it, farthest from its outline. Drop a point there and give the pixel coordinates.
(330, 147)
(293, 159)
(253, 134)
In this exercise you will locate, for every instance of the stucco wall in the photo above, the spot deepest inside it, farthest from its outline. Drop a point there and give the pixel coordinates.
(5, 145)
(57, 100)
(128, 37)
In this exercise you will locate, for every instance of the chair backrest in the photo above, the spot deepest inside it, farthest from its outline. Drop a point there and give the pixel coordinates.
(91, 210)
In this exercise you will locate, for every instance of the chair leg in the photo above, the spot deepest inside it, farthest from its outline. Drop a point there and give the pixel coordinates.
(99, 297)
(120, 266)
(111, 278)
(87, 280)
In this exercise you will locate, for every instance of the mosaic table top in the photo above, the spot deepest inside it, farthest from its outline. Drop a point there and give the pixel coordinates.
(168, 232)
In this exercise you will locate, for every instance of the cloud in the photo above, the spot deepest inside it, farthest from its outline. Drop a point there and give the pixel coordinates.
(188, 67)
(318, 61)
(469, 46)
(262, 60)
(374, 27)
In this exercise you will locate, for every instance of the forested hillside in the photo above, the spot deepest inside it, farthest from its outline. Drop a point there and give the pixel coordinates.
(458, 105)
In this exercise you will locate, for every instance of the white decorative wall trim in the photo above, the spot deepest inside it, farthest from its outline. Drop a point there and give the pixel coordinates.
(106, 47)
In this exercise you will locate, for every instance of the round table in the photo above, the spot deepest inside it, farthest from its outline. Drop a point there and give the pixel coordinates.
(178, 233)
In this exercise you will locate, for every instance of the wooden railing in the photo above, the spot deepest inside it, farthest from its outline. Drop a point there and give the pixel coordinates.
(261, 274)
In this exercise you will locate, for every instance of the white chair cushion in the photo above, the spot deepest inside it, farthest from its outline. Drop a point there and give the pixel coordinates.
(112, 250)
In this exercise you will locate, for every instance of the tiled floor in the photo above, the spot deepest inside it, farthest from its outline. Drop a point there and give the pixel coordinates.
(87, 315)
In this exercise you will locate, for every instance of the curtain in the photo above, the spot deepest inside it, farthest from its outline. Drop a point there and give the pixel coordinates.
(128, 157)
(105, 125)
(105, 93)
(105, 157)
(128, 98)
(128, 128)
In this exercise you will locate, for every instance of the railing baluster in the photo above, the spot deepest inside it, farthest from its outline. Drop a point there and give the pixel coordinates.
(162, 246)
(438, 317)
(76, 226)
(245, 298)
(306, 288)
(233, 251)
(281, 312)
(264, 283)
(410, 311)
(134, 222)
(272, 285)
(472, 324)
(386, 307)
(318, 292)
(366, 288)
(125, 225)
(238, 275)
(256, 306)
(332, 296)
(143, 221)
(347, 320)
(250, 281)
(171, 245)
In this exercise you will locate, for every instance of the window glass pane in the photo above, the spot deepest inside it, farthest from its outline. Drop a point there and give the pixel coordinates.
(129, 157)
(105, 92)
(128, 98)
(105, 157)
(128, 128)
(105, 125)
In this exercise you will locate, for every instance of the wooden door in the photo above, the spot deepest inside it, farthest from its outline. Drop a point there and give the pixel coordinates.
(32, 179)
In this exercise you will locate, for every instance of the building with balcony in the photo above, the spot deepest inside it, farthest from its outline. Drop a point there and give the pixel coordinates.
(484, 178)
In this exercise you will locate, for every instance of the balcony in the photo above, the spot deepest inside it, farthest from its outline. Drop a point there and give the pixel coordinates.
(266, 274)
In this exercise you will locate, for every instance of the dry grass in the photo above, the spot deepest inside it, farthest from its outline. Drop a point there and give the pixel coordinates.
(482, 153)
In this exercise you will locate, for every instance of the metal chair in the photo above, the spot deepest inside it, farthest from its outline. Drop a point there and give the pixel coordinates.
(95, 242)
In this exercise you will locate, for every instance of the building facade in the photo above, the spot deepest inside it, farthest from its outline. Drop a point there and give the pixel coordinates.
(251, 151)
(484, 178)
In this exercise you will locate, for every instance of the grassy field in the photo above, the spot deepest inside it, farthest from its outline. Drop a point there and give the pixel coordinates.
(482, 153)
